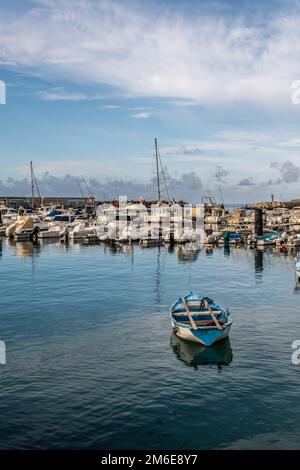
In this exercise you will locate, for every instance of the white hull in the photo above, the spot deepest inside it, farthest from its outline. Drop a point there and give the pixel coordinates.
(81, 234)
(22, 236)
(10, 230)
(187, 335)
(48, 234)
(261, 243)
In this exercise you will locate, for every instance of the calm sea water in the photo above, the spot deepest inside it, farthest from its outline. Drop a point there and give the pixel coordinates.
(92, 363)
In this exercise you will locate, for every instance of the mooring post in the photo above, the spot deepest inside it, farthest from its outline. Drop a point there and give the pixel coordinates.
(258, 223)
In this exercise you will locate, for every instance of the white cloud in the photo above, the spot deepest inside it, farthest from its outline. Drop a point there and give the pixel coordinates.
(140, 108)
(245, 137)
(292, 143)
(111, 106)
(244, 155)
(85, 167)
(183, 103)
(140, 52)
(60, 95)
(142, 115)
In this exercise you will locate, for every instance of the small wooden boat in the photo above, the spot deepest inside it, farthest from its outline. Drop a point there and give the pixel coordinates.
(199, 319)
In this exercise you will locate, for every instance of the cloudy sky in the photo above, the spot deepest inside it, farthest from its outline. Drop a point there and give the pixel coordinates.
(90, 83)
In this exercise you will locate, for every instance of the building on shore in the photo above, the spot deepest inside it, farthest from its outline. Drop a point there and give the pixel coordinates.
(66, 202)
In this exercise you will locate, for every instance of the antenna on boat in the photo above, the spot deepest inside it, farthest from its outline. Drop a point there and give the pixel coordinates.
(157, 169)
(33, 185)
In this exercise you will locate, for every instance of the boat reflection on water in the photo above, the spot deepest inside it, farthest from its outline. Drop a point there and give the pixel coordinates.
(194, 355)
(22, 249)
(188, 253)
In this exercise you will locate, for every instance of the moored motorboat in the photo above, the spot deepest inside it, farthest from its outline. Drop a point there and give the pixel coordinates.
(198, 319)
(268, 239)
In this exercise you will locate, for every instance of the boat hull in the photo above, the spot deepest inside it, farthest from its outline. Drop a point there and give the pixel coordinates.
(201, 336)
(48, 234)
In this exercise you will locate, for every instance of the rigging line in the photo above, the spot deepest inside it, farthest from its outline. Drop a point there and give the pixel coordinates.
(164, 177)
(32, 185)
(157, 169)
(88, 188)
(78, 182)
(221, 194)
(153, 176)
(36, 184)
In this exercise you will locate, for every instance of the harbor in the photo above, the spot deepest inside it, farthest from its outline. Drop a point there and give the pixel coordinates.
(149, 232)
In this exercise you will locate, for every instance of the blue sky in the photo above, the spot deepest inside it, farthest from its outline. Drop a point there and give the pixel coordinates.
(91, 83)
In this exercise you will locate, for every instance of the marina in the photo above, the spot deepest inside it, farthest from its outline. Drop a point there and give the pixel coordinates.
(149, 232)
(149, 223)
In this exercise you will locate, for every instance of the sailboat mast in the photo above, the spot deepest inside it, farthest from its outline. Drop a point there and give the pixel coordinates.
(32, 185)
(157, 169)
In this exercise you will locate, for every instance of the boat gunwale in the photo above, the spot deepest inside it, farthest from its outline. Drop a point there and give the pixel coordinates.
(176, 323)
(208, 327)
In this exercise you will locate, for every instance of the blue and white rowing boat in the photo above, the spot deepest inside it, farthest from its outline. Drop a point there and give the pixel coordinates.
(199, 319)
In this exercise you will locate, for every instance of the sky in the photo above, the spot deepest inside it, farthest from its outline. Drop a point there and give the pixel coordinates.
(90, 83)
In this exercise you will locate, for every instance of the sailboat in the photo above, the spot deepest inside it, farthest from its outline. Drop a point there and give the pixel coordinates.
(155, 229)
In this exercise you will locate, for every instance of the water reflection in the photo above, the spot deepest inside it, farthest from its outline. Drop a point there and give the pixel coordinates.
(194, 355)
(188, 253)
(226, 249)
(171, 248)
(209, 250)
(157, 278)
(258, 263)
(297, 287)
(22, 249)
(127, 249)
